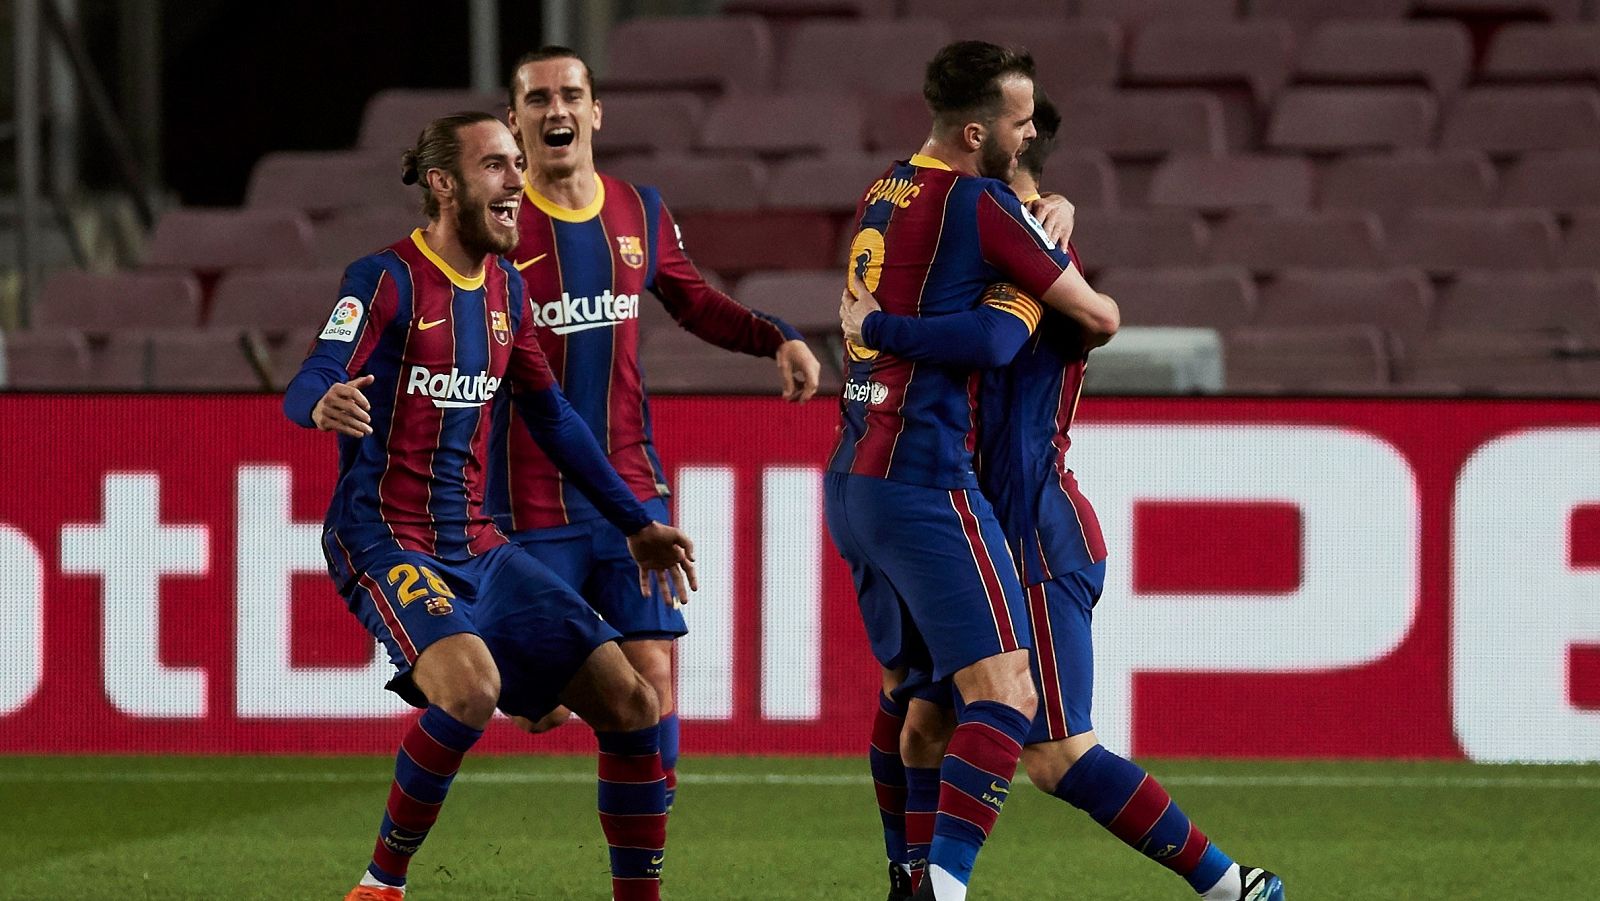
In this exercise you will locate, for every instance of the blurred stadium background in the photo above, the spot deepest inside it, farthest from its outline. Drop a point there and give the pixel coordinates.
(1346, 451)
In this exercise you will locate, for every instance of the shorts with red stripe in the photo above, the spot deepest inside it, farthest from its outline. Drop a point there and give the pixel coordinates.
(537, 628)
(1059, 616)
(934, 579)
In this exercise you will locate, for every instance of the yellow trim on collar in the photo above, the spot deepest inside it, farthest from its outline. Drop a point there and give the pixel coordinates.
(1031, 197)
(556, 211)
(928, 162)
(456, 278)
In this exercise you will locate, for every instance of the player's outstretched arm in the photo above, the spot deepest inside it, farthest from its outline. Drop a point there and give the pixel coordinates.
(982, 338)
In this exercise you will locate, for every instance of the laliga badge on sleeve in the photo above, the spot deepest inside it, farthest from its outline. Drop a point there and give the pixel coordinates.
(342, 325)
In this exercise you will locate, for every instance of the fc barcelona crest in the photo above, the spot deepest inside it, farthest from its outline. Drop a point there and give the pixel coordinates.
(631, 249)
(498, 324)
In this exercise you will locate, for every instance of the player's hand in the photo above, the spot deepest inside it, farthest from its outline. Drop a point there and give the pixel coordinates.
(799, 369)
(344, 409)
(1056, 216)
(854, 306)
(665, 554)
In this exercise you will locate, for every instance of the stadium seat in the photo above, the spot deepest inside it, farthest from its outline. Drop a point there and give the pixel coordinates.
(665, 121)
(1511, 120)
(1530, 301)
(43, 359)
(835, 182)
(783, 124)
(1138, 12)
(1348, 119)
(319, 182)
(1254, 52)
(1582, 246)
(1336, 359)
(897, 125)
(394, 118)
(1524, 52)
(1560, 180)
(1397, 300)
(1214, 297)
(721, 54)
(960, 15)
(799, 10)
(192, 360)
(120, 361)
(275, 301)
(98, 303)
(732, 242)
(807, 300)
(285, 355)
(1085, 177)
(209, 240)
(863, 58)
(1394, 184)
(1217, 184)
(1266, 241)
(1070, 54)
(1139, 238)
(1494, 362)
(1437, 54)
(1502, 10)
(1447, 241)
(1302, 13)
(352, 234)
(698, 183)
(1142, 124)
(676, 362)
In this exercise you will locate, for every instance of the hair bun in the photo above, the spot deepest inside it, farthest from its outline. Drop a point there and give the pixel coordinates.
(408, 167)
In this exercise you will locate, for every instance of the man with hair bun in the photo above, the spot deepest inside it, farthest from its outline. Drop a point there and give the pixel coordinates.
(406, 371)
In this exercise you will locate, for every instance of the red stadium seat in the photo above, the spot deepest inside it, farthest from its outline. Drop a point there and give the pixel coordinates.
(1522, 52)
(1346, 119)
(732, 242)
(1142, 124)
(98, 303)
(835, 183)
(1217, 297)
(698, 183)
(1139, 238)
(121, 362)
(1217, 184)
(1305, 359)
(807, 300)
(1264, 242)
(959, 14)
(1069, 54)
(1561, 180)
(1530, 301)
(1436, 54)
(1495, 362)
(1308, 12)
(799, 10)
(1084, 177)
(898, 124)
(319, 182)
(353, 234)
(1397, 300)
(859, 58)
(275, 301)
(394, 118)
(1138, 12)
(724, 54)
(1447, 241)
(209, 240)
(676, 362)
(285, 355)
(44, 359)
(665, 121)
(191, 360)
(1255, 52)
(1504, 121)
(1396, 184)
(783, 124)
(1500, 10)
(1582, 247)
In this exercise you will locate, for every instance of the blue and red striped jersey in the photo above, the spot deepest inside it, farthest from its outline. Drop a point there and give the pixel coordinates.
(928, 241)
(439, 345)
(586, 271)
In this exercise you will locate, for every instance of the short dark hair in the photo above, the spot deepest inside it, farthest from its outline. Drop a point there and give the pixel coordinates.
(963, 80)
(438, 147)
(548, 51)
(1046, 121)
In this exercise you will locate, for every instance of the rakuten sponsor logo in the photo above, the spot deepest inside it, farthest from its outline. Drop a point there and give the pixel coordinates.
(576, 314)
(452, 389)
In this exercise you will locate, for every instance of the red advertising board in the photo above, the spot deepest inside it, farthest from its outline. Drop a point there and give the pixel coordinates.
(1289, 578)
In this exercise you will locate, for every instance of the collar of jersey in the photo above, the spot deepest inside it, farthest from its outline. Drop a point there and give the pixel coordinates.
(1031, 197)
(556, 211)
(456, 278)
(928, 162)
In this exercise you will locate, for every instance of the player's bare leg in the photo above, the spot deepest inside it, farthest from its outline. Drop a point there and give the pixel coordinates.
(621, 707)
(652, 657)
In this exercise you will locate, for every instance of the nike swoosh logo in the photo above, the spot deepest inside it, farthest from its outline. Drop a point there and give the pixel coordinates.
(423, 325)
(999, 789)
(526, 263)
(658, 859)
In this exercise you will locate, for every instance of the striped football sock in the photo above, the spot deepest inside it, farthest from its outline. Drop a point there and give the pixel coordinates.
(975, 780)
(922, 803)
(633, 811)
(669, 755)
(889, 775)
(429, 756)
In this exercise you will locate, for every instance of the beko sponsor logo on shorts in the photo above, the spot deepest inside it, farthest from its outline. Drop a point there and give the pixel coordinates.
(453, 388)
(575, 314)
(866, 392)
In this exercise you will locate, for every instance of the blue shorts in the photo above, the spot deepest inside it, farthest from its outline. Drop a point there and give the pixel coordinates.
(537, 628)
(593, 557)
(933, 575)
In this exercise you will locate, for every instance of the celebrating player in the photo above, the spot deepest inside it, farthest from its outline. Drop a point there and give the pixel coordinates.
(937, 591)
(424, 334)
(590, 246)
(1026, 410)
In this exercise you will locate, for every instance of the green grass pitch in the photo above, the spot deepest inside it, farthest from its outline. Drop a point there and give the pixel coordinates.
(773, 828)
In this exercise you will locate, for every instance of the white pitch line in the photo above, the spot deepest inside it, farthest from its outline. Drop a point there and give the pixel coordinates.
(817, 780)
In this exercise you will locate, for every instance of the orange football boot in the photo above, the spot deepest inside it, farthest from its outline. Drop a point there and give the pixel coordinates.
(373, 893)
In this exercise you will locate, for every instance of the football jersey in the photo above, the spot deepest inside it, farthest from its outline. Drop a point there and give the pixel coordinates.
(928, 241)
(586, 271)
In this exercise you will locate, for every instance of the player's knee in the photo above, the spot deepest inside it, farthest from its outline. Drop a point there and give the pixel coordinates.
(471, 700)
(922, 742)
(633, 706)
(1046, 764)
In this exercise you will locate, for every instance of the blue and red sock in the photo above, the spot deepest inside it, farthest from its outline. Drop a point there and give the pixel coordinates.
(1133, 806)
(633, 811)
(889, 775)
(430, 754)
(975, 780)
(669, 754)
(922, 807)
